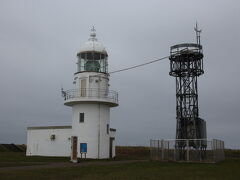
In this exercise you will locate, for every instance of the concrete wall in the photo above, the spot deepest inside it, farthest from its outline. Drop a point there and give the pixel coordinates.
(93, 130)
(93, 80)
(39, 142)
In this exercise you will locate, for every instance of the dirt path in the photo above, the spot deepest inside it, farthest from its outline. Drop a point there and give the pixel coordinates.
(67, 164)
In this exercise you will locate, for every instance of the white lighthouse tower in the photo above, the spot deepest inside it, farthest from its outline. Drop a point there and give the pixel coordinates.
(90, 135)
(91, 100)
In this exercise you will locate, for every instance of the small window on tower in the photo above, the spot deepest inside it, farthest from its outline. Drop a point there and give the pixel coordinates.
(107, 128)
(81, 117)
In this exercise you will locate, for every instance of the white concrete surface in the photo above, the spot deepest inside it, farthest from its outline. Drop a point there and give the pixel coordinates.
(93, 130)
(39, 142)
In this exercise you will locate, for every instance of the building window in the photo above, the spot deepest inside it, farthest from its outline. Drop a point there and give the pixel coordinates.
(53, 137)
(107, 128)
(81, 117)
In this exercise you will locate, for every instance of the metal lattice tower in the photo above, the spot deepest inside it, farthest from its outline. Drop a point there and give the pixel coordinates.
(186, 64)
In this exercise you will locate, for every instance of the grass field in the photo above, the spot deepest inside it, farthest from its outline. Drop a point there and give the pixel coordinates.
(10, 159)
(229, 169)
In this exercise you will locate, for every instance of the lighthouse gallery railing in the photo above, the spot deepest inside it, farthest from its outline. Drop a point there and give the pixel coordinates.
(91, 93)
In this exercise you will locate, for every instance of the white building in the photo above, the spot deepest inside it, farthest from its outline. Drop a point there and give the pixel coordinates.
(90, 135)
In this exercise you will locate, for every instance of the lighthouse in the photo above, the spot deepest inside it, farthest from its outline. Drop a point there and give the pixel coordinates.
(89, 135)
(91, 101)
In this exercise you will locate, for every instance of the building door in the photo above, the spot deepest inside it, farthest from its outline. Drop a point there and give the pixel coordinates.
(74, 149)
(83, 87)
(111, 147)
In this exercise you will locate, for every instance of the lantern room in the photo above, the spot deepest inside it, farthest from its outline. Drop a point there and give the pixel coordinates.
(92, 56)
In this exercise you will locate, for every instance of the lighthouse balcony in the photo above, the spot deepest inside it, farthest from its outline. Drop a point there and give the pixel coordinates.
(90, 95)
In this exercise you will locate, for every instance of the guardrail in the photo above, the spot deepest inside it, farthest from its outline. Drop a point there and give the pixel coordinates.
(187, 150)
(90, 93)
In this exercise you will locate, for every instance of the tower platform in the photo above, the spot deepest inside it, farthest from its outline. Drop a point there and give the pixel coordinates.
(91, 95)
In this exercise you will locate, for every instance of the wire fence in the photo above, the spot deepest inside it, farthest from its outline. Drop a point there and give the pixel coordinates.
(187, 150)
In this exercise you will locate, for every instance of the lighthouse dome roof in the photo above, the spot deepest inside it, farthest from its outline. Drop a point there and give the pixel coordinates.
(93, 45)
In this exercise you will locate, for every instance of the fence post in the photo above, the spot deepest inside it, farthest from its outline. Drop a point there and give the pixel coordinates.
(150, 149)
(223, 148)
(168, 150)
(187, 150)
(213, 150)
(158, 150)
(175, 146)
(162, 147)
(200, 148)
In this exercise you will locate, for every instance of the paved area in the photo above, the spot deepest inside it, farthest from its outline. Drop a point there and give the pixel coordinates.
(67, 164)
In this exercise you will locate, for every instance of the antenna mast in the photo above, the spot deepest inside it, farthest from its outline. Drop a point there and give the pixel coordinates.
(198, 31)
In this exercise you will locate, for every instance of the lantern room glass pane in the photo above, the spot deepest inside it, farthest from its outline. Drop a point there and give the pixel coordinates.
(92, 62)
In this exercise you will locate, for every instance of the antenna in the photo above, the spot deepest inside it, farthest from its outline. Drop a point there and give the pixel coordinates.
(63, 92)
(93, 29)
(197, 33)
(61, 87)
(93, 34)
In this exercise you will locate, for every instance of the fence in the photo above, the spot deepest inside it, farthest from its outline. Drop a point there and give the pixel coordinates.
(188, 150)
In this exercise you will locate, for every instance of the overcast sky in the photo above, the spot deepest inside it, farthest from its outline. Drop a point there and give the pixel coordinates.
(39, 41)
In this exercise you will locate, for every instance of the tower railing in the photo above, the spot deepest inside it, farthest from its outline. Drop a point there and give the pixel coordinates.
(91, 93)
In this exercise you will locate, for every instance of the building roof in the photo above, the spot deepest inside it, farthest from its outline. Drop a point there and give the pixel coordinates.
(49, 127)
(92, 45)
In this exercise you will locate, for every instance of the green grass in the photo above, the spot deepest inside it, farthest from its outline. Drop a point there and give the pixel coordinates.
(232, 153)
(21, 157)
(228, 170)
(152, 170)
(10, 159)
(14, 164)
